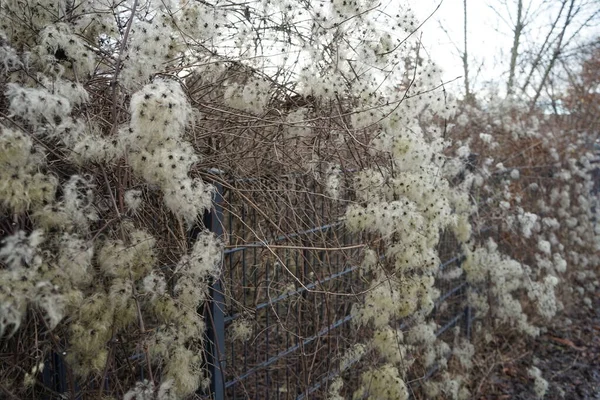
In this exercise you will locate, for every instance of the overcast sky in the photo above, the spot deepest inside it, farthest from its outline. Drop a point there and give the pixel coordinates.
(486, 43)
(490, 35)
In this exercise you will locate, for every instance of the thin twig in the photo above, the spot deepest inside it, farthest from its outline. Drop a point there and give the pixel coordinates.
(115, 111)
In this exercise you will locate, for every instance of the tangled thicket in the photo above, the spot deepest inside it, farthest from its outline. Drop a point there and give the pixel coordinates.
(118, 118)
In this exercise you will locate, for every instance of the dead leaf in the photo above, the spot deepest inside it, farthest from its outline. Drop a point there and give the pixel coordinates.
(510, 371)
(567, 342)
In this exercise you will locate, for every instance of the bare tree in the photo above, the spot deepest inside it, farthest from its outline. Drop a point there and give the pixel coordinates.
(465, 54)
(536, 46)
(543, 49)
(562, 42)
(514, 51)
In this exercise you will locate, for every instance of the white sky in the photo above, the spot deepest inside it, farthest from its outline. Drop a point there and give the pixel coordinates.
(485, 43)
(489, 36)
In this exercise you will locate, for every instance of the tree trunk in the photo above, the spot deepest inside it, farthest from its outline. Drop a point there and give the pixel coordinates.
(465, 60)
(514, 51)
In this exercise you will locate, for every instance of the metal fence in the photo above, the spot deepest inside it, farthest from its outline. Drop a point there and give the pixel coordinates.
(290, 275)
(295, 288)
(287, 279)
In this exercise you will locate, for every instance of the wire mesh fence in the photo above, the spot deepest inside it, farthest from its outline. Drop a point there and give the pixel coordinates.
(279, 320)
(291, 276)
(290, 269)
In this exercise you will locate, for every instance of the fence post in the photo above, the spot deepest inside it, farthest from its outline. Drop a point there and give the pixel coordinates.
(54, 375)
(216, 323)
(468, 310)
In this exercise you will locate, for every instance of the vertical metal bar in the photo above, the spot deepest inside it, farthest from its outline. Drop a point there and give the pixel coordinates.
(267, 313)
(304, 310)
(468, 310)
(58, 377)
(61, 375)
(55, 374)
(257, 361)
(216, 329)
(232, 280)
(301, 304)
(216, 337)
(287, 331)
(277, 316)
(298, 332)
(244, 287)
